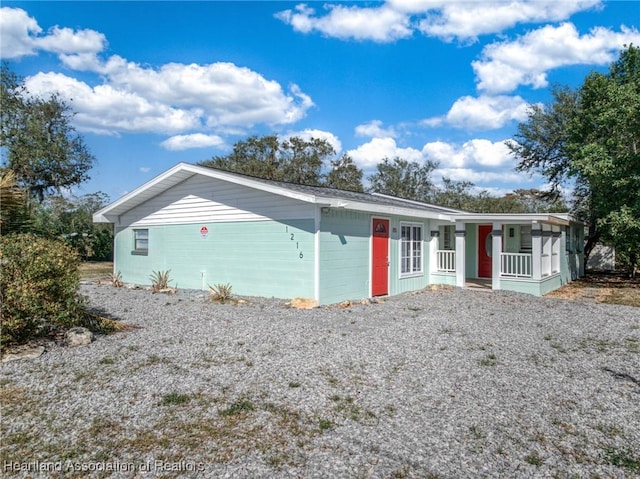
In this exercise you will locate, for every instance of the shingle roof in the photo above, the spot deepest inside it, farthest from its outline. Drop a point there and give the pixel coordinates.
(335, 193)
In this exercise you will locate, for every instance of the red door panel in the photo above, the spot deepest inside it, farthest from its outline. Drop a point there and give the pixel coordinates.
(484, 251)
(380, 258)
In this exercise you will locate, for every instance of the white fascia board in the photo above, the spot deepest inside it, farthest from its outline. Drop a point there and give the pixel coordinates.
(511, 218)
(109, 213)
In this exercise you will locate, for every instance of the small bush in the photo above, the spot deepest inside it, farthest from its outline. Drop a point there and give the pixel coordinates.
(38, 287)
(116, 280)
(220, 293)
(159, 280)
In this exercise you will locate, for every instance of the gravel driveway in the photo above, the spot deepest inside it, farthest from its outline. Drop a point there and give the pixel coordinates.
(435, 384)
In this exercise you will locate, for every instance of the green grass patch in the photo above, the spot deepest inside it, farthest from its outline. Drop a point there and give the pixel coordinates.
(175, 399)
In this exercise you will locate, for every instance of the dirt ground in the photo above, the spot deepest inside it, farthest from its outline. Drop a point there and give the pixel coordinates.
(96, 270)
(602, 287)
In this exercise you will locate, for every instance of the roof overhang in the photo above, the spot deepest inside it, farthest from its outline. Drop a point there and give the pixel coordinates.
(179, 173)
(560, 219)
(183, 171)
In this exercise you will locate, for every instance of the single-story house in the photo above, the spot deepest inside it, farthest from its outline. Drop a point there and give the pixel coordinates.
(275, 239)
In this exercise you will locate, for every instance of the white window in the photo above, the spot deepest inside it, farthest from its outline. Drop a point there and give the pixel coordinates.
(410, 249)
(525, 239)
(140, 241)
(448, 237)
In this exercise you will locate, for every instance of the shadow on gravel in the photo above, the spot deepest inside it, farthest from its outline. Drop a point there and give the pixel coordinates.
(624, 377)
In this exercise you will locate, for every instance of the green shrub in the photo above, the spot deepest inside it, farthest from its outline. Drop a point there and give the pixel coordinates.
(39, 282)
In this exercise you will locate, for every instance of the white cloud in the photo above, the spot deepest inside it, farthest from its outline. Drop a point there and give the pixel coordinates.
(16, 33)
(468, 20)
(481, 176)
(368, 155)
(195, 140)
(309, 133)
(482, 113)
(107, 110)
(228, 94)
(445, 19)
(67, 41)
(476, 152)
(374, 129)
(144, 169)
(506, 65)
(378, 24)
(172, 98)
(20, 35)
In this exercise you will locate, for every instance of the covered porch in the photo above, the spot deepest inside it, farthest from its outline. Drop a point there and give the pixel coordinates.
(529, 253)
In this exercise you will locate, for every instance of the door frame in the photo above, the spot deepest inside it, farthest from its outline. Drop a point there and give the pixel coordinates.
(388, 220)
(481, 249)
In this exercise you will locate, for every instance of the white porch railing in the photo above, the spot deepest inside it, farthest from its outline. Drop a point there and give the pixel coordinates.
(446, 260)
(515, 265)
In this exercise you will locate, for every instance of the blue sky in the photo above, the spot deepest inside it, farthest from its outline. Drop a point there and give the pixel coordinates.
(156, 83)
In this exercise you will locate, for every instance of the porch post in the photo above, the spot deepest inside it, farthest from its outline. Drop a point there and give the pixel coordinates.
(496, 249)
(434, 245)
(536, 251)
(460, 250)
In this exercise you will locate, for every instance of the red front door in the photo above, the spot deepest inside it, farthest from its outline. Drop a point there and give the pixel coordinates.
(484, 251)
(380, 258)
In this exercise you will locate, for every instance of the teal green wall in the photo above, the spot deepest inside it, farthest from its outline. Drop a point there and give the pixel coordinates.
(537, 288)
(443, 278)
(345, 249)
(471, 251)
(344, 255)
(511, 245)
(248, 255)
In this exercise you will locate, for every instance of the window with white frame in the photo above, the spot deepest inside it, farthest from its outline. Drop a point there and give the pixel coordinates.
(525, 239)
(410, 248)
(448, 237)
(140, 241)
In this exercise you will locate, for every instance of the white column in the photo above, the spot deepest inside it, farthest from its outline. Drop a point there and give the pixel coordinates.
(434, 245)
(496, 249)
(536, 251)
(460, 256)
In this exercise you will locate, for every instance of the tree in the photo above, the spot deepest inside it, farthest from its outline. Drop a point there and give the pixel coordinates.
(294, 160)
(41, 145)
(344, 175)
(404, 179)
(591, 137)
(14, 211)
(455, 194)
(71, 220)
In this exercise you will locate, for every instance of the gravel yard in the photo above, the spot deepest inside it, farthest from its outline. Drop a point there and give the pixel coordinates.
(436, 384)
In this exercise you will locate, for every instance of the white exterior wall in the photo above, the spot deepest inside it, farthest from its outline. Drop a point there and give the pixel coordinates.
(207, 200)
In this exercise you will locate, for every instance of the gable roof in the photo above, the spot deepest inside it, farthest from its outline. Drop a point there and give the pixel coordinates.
(323, 196)
(319, 195)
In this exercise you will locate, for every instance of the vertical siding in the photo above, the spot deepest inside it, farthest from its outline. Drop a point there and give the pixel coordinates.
(258, 258)
(344, 255)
